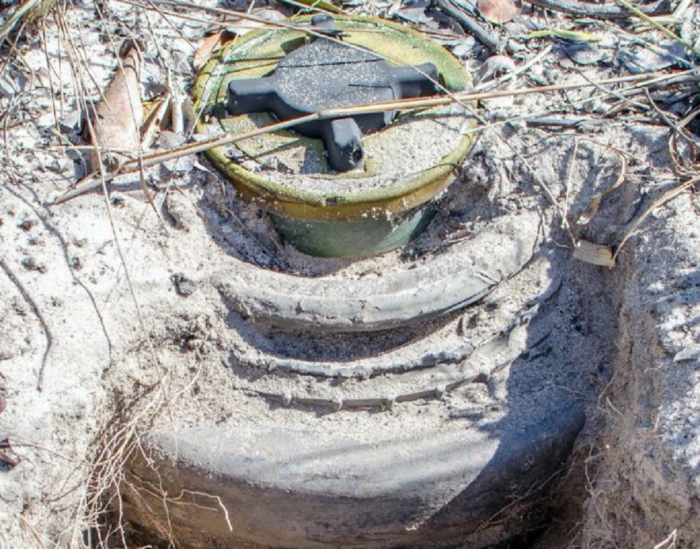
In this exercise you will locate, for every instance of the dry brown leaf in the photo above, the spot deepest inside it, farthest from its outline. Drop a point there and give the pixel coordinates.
(119, 115)
(500, 11)
(596, 254)
(209, 46)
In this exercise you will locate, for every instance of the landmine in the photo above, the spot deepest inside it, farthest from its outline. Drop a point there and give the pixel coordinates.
(321, 199)
(374, 404)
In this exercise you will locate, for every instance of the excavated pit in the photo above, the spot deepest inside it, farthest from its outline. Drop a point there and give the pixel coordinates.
(467, 419)
(453, 431)
(346, 402)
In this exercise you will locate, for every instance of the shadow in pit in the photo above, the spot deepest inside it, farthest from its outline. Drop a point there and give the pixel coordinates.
(569, 351)
(336, 348)
(243, 230)
(508, 499)
(268, 504)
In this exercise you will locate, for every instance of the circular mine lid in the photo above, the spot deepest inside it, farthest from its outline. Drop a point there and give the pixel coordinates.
(402, 165)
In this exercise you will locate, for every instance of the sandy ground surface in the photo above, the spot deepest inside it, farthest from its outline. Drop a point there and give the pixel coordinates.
(99, 344)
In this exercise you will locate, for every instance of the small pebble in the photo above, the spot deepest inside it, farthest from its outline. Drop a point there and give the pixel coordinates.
(184, 285)
(31, 264)
(27, 224)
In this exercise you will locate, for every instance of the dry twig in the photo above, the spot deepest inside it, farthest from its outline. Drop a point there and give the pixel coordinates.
(586, 9)
(35, 309)
(667, 196)
(93, 181)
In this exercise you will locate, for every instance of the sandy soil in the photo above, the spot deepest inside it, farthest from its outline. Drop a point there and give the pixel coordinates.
(99, 342)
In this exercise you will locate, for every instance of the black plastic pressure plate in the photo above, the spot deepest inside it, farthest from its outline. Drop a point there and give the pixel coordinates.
(327, 73)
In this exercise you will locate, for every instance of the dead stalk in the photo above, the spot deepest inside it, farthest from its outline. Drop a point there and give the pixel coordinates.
(93, 180)
(667, 196)
(650, 21)
(37, 312)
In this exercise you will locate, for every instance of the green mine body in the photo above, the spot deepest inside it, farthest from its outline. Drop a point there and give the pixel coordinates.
(361, 212)
(353, 238)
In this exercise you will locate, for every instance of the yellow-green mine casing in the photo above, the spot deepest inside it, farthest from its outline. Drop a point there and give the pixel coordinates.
(324, 213)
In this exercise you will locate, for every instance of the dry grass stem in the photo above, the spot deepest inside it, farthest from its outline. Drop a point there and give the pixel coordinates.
(651, 21)
(154, 120)
(668, 195)
(93, 180)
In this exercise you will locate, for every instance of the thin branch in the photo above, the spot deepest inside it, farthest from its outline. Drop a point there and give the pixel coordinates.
(643, 16)
(35, 309)
(585, 9)
(667, 196)
(93, 181)
(480, 33)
